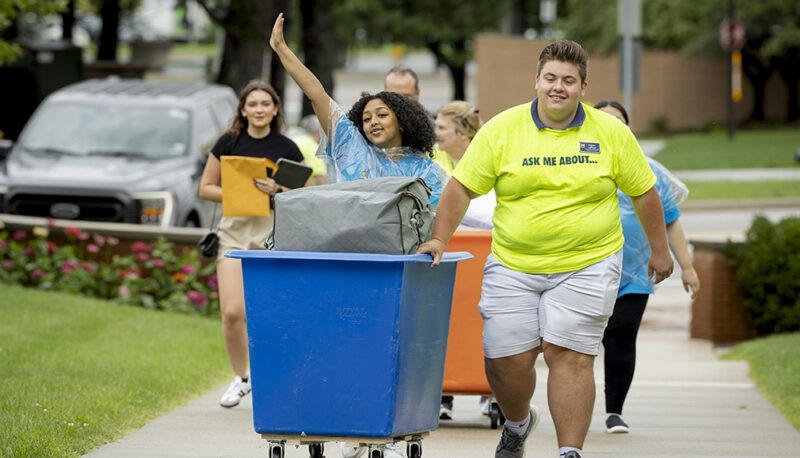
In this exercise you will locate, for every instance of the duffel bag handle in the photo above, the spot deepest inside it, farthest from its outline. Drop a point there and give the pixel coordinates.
(416, 215)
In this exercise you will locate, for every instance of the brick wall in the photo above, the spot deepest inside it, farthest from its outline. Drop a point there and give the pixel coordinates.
(718, 313)
(685, 91)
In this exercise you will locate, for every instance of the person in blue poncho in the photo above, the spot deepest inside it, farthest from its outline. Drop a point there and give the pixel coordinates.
(619, 339)
(383, 134)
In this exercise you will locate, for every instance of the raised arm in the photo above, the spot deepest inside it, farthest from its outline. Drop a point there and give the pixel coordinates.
(301, 75)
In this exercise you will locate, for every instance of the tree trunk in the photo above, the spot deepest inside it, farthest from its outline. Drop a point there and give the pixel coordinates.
(456, 64)
(277, 74)
(458, 74)
(519, 18)
(319, 47)
(247, 26)
(788, 67)
(67, 21)
(109, 36)
(758, 73)
(243, 60)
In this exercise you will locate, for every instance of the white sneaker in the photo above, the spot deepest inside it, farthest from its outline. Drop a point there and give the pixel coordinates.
(393, 450)
(484, 405)
(352, 452)
(235, 392)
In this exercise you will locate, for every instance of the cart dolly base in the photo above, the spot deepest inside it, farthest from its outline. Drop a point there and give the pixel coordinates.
(316, 444)
(496, 417)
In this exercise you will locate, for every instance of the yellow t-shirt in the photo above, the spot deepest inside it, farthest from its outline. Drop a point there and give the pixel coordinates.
(444, 160)
(557, 208)
(308, 147)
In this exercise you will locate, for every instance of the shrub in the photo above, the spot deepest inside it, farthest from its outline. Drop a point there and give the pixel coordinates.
(152, 275)
(767, 266)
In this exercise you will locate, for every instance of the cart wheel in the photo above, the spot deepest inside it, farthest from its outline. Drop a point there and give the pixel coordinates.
(375, 451)
(414, 449)
(495, 414)
(276, 450)
(316, 450)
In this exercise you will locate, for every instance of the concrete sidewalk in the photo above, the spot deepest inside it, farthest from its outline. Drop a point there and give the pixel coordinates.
(683, 402)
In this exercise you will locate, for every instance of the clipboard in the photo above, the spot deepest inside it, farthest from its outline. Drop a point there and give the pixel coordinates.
(240, 197)
(291, 174)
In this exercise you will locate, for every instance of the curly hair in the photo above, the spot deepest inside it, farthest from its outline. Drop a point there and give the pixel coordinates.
(239, 123)
(415, 123)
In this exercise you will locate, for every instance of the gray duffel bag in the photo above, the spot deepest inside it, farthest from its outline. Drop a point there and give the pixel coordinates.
(389, 215)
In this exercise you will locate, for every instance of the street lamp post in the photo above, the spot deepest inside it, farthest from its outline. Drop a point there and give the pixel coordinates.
(547, 14)
(629, 25)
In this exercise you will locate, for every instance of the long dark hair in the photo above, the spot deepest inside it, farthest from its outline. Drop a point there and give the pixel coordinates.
(414, 121)
(613, 104)
(240, 122)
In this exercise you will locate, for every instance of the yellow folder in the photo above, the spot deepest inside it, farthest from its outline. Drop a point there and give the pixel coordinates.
(240, 197)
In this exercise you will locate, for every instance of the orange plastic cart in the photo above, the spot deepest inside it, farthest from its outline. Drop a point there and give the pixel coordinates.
(464, 370)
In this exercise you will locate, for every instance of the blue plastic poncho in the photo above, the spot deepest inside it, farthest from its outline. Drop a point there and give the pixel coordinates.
(350, 157)
(636, 251)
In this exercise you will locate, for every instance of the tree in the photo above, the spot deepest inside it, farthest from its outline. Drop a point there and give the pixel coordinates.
(319, 44)
(772, 36)
(109, 31)
(110, 11)
(445, 27)
(247, 24)
(9, 11)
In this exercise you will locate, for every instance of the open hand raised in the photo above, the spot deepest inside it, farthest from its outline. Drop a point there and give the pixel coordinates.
(276, 40)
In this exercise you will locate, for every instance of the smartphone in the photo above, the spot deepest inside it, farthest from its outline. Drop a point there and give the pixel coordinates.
(291, 174)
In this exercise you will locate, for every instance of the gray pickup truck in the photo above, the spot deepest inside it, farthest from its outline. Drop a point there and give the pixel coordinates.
(117, 150)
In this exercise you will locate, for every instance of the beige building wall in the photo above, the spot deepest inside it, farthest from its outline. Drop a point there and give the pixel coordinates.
(682, 91)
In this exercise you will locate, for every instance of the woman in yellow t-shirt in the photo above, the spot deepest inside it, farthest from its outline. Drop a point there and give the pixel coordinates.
(457, 123)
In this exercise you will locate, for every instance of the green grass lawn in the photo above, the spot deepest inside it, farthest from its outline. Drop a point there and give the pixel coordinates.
(78, 372)
(762, 148)
(775, 368)
(699, 190)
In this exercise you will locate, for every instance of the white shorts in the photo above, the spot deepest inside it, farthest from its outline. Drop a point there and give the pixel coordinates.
(569, 309)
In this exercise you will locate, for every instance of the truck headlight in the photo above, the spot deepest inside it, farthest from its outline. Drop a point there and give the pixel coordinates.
(156, 207)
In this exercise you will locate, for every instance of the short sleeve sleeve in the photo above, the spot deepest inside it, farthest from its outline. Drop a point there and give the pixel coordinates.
(293, 151)
(633, 174)
(476, 169)
(223, 146)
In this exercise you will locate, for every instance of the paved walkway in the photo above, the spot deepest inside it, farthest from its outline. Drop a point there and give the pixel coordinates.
(684, 402)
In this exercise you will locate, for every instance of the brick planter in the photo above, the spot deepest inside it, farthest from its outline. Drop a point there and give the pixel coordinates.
(718, 313)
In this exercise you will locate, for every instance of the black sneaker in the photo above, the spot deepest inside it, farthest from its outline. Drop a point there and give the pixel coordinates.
(572, 454)
(615, 425)
(512, 445)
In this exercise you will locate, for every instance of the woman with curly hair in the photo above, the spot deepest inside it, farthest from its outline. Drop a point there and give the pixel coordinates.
(383, 134)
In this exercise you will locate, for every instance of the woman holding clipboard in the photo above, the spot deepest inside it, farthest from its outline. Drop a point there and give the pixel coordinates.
(255, 133)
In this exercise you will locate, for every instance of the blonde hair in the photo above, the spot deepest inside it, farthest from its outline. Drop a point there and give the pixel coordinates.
(465, 117)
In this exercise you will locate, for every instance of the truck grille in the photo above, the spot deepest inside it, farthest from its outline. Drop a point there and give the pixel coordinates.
(91, 208)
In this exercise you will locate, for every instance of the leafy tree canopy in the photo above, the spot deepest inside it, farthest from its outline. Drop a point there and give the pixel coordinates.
(419, 22)
(691, 26)
(10, 9)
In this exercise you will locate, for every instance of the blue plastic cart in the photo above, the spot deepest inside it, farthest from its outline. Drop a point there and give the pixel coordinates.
(346, 347)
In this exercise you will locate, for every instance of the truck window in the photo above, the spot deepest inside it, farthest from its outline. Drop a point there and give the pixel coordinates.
(119, 130)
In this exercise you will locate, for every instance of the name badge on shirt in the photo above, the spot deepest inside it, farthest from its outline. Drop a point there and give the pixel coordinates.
(589, 147)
